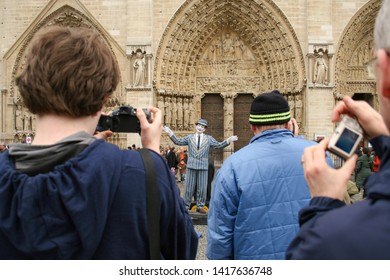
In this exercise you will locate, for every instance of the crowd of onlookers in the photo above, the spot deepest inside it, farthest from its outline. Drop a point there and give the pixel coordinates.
(3, 148)
(366, 163)
(176, 160)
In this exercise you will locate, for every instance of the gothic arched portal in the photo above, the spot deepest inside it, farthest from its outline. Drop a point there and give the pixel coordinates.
(354, 51)
(227, 48)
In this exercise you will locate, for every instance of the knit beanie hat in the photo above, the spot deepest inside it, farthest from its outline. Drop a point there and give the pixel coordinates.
(269, 108)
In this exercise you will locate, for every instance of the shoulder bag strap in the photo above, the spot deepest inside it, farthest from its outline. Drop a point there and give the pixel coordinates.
(152, 200)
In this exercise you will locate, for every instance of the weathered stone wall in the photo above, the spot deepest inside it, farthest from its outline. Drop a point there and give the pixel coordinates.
(132, 25)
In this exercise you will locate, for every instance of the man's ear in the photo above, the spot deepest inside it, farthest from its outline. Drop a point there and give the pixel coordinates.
(253, 128)
(384, 73)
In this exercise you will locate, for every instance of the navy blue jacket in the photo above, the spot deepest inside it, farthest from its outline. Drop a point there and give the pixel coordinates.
(92, 206)
(331, 230)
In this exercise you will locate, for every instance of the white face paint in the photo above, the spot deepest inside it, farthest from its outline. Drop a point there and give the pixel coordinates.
(200, 128)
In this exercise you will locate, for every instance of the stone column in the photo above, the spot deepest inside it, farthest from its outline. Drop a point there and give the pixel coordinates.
(149, 69)
(228, 117)
(3, 97)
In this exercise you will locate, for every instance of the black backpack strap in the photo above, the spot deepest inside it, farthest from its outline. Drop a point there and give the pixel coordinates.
(153, 204)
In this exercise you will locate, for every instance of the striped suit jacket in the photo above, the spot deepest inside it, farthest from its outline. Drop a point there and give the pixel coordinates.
(198, 159)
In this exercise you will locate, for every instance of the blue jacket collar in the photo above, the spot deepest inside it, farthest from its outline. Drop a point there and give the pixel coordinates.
(272, 134)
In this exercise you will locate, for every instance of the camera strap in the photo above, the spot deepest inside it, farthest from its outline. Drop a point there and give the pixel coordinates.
(153, 204)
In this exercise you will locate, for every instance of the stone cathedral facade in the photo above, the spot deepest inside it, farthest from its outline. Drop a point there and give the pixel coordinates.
(206, 58)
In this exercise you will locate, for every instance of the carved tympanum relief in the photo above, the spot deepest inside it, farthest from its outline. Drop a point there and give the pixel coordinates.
(211, 48)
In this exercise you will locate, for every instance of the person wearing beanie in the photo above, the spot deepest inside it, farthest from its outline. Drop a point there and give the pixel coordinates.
(259, 190)
(199, 145)
(270, 109)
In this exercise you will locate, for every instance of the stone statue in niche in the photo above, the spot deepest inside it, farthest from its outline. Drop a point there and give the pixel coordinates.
(179, 121)
(27, 120)
(33, 121)
(291, 103)
(215, 50)
(168, 112)
(186, 114)
(210, 54)
(228, 108)
(228, 46)
(320, 70)
(19, 116)
(160, 104)
(174, 113)
(362, 54)
(192, 116)
(240, 51)
(139, 69)
(298, 109)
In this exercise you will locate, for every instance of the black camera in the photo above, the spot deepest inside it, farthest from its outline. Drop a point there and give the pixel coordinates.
(123, 119)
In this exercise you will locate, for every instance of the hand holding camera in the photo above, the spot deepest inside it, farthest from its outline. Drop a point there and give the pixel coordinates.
(346, 137)
(151, 128)
(370, 120)
(124, 119)
(324, 180)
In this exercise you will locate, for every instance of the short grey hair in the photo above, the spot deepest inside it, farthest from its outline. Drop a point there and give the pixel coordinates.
(382, 27)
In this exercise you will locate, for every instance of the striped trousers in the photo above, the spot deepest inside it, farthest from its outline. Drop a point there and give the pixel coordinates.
(195, 178)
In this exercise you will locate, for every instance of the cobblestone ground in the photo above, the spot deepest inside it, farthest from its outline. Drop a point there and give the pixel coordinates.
(202, 229)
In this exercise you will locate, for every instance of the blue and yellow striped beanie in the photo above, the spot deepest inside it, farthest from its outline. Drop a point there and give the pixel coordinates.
(269, 108)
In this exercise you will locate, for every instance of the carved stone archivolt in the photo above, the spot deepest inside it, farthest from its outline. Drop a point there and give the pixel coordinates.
(210, 47)
(355, 50)
(212, 37)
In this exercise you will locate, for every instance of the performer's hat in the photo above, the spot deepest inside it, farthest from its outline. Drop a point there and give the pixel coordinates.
(269, 108)
(202, 122)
